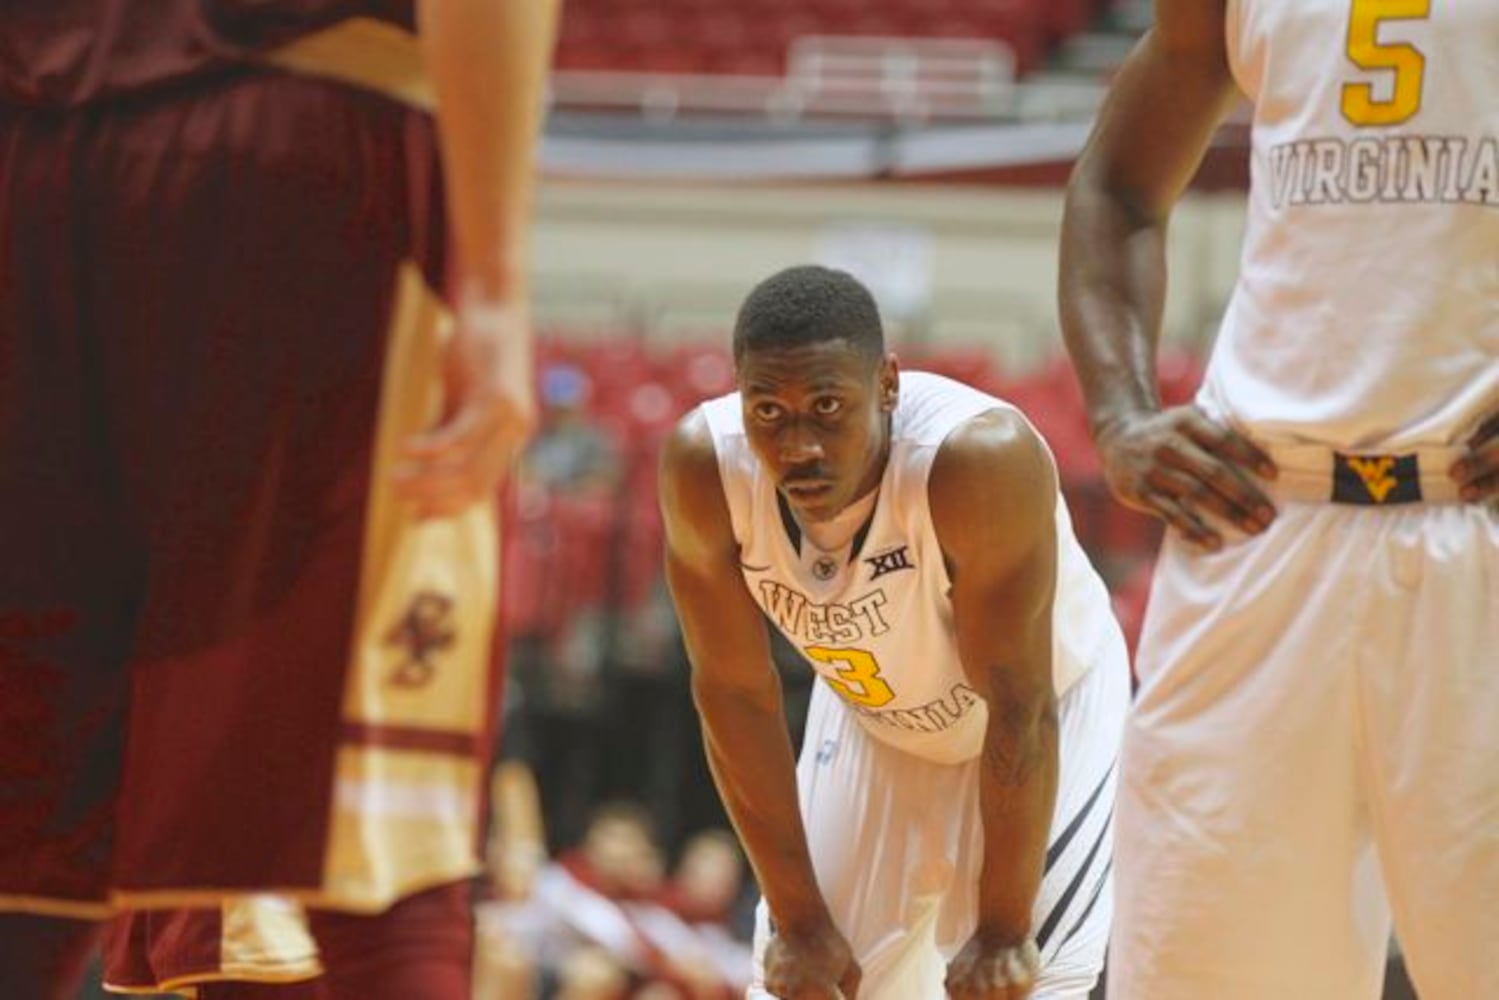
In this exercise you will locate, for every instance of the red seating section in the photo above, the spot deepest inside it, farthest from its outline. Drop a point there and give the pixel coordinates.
(751, 36)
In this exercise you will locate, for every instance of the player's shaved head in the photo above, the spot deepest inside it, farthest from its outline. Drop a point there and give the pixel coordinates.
(807, 305)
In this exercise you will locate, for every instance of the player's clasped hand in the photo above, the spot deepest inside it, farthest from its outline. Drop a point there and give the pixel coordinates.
(1188, 470)
(813, 964)
(489, 412)
(986, 970)
(1477, 472)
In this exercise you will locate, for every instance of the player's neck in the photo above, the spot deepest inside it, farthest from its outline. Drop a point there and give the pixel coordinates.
(836, 532)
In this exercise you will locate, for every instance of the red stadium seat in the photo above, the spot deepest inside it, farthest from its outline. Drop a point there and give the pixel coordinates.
(724, 37)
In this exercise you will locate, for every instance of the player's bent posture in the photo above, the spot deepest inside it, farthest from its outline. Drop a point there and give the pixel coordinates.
(950, 817)
(1319, 668)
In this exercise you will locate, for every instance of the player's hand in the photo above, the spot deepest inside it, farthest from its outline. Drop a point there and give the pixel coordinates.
(489, 411)
(1189, 471)
(986, 970)
(1477, 472)
(811, 964)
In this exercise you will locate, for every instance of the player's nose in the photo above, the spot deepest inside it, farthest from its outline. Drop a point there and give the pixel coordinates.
(800, 445)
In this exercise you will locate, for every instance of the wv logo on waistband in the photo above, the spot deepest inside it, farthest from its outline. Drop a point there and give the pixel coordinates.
(1375, 472)
(1375, 479)
(888, 562)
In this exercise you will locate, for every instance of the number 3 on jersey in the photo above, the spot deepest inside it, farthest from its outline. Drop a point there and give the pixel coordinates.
(1367, 52)
(859, 675)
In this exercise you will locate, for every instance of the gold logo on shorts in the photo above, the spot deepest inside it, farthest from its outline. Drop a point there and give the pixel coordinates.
(425, 630)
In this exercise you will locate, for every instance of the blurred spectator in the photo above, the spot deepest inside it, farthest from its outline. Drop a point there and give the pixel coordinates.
(557, 577)
(504, 967)
(708, 892)
(709, 879)
(570, 453)
(599, 927)
(516, 848)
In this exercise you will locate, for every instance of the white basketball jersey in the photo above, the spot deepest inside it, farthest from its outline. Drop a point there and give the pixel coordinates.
(1367, 307)
(875, 618)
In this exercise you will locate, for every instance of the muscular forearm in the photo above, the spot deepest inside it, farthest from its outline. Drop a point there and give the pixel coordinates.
(1017, 795)
(1112, 294)
(1148, 140)
(750, 755)
(488, 61)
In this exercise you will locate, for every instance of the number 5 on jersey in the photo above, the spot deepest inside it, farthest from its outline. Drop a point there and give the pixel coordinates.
(859, 675)
(1367, 52)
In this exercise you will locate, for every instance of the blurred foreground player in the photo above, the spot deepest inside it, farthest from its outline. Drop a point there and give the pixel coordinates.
(1314, 741)
(956, 779)
(249, 574)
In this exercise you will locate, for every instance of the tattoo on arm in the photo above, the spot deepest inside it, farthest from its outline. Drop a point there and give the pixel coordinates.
(1013, 758)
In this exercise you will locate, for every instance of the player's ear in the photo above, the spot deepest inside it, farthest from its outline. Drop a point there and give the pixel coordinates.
(889, 382)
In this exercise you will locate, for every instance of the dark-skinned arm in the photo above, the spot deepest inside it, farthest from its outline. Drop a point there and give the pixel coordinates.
(1152, 132)
(738, 698)
(993, 502)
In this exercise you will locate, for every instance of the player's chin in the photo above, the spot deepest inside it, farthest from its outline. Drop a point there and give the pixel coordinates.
(813, 502)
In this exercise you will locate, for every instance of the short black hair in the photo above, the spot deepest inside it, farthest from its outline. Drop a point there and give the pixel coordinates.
(809, 304)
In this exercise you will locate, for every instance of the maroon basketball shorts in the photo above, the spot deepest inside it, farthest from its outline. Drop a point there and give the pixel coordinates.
(226, 656)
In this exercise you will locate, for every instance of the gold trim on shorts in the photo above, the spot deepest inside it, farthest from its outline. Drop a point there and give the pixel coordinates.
(406, 805)
(43, 906)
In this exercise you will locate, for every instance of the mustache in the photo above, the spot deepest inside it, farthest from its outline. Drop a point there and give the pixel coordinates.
(812, 474)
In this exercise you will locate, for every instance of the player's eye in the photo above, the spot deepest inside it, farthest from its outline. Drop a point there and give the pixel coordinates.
(767, 413)
(827, 406)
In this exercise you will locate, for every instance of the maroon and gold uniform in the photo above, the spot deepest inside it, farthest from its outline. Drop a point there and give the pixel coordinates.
(230, 663)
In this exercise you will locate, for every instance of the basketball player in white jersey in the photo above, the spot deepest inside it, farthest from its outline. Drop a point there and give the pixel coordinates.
(956, 779)
(1315, 743)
